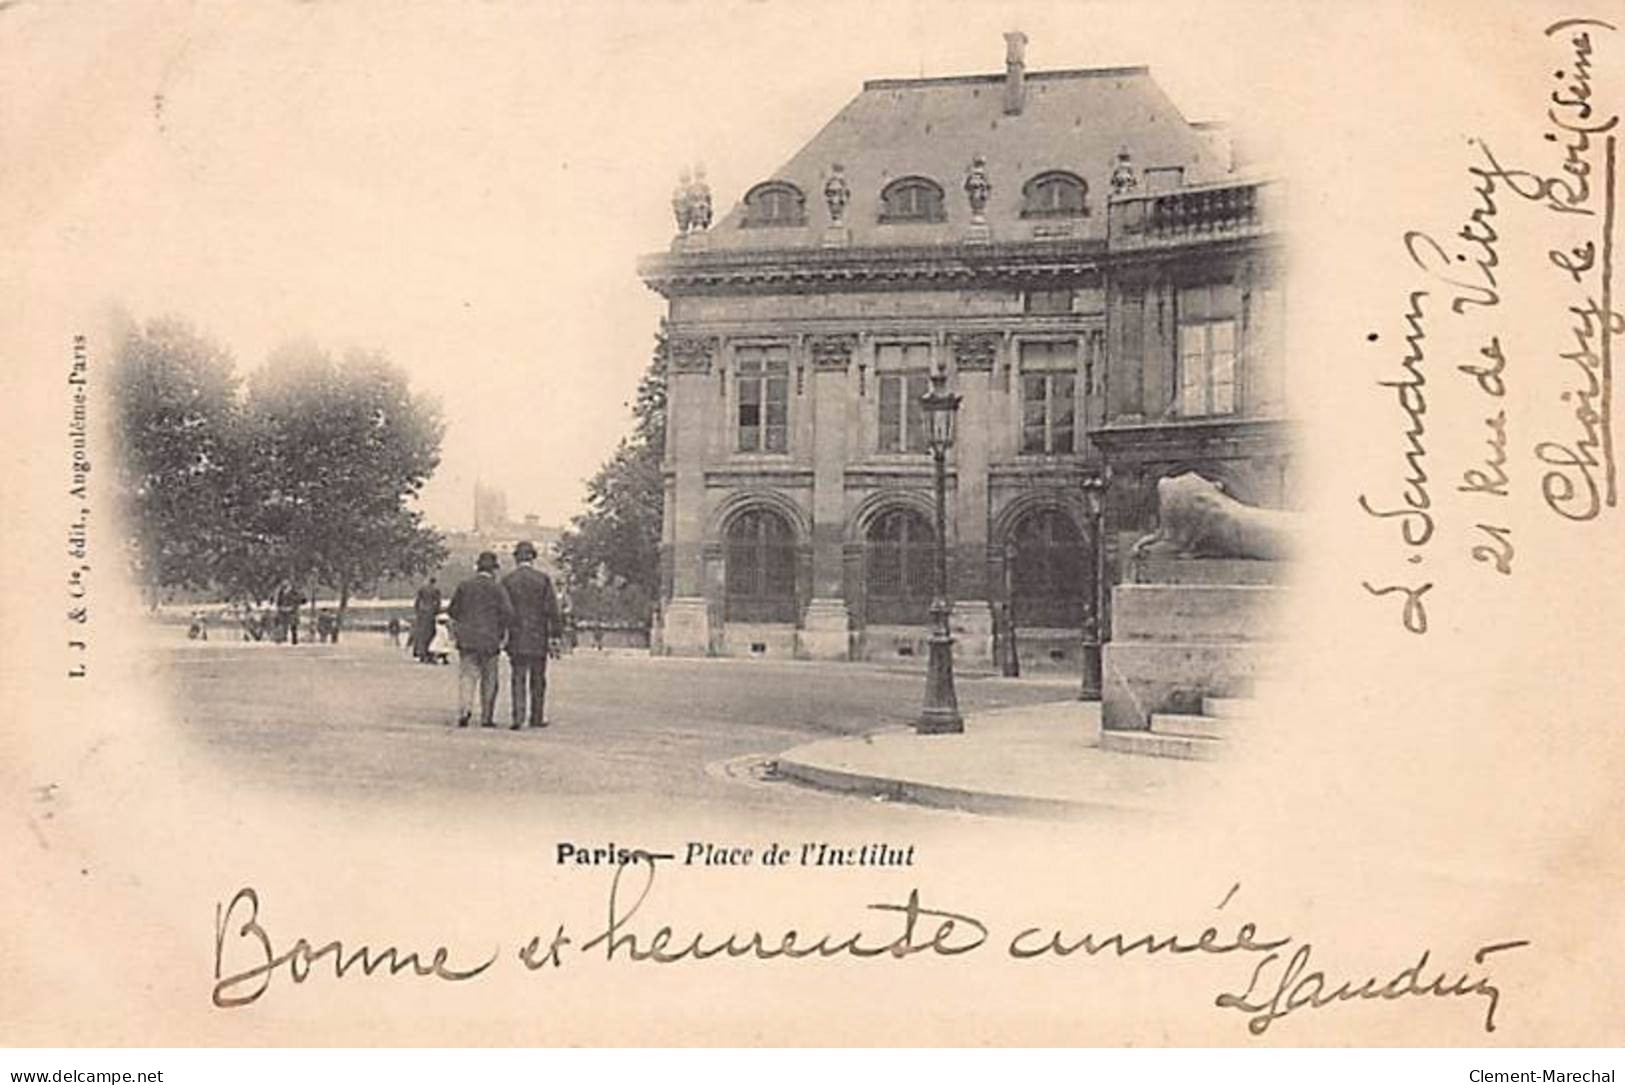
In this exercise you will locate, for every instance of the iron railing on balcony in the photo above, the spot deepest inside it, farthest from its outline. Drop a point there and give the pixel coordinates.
(1190, 215)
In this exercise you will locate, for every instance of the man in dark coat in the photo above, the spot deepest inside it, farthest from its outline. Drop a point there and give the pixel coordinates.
(533, 637)
(481, 614)
(425, 609)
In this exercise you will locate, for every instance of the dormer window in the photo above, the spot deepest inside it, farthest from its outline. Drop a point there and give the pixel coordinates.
(1056, 194)
(775, 203)
(912, 199)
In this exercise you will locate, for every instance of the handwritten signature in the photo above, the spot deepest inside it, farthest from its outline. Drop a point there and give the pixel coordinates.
(1281, 983)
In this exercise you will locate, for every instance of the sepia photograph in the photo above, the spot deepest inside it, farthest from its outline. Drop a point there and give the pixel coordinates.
(754, 524)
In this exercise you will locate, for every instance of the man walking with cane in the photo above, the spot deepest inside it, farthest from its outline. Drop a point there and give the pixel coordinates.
(481, 614)
(533, 636)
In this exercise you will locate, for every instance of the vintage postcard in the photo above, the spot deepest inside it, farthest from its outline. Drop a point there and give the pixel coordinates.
(758, 523)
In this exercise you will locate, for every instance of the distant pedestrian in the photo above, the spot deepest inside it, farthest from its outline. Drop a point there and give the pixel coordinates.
(394, 628)
(533, 637)
(327, 628)
(288, 601)
(481, 615)
(425, 609)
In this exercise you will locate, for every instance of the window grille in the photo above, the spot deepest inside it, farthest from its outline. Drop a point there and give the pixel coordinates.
(759, 568)
(899, 568)
(1049, 572)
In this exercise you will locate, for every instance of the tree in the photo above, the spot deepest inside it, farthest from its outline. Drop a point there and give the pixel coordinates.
(175, 420)
(338, 451)
(611, 553)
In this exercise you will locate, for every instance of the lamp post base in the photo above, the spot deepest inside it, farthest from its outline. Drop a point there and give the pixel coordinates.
(1093, 673)
(946, 722)
(941, 713)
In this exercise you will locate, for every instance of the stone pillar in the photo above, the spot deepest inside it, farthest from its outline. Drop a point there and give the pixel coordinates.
(826, 624)
(686, 617)
(972, 621)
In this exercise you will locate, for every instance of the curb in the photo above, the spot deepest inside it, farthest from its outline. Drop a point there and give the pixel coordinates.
(943, 796)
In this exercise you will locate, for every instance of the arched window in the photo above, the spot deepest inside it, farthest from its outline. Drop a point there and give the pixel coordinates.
(775, 203)
(1049, 572)
(760, 568)
(898, 556)
(912, 199)
(1055, 194)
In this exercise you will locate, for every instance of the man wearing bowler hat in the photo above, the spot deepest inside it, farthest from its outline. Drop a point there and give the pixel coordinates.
(533, 635)
(482, 615)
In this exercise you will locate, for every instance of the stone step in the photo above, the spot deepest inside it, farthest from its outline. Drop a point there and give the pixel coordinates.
(1188, 726)
(1151, 744)
(1229, 708)
(1142, 677)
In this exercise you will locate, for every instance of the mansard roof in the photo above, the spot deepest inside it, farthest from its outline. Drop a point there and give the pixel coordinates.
(1074, 120)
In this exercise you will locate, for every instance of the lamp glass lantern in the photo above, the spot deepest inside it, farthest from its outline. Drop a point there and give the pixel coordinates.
(941, 409)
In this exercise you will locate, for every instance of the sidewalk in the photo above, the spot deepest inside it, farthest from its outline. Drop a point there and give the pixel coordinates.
(1030, 761)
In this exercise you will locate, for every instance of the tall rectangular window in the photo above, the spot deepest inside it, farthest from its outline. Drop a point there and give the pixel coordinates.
(904, 375)
(762, 388)
(1049, 393)
(1207, 353)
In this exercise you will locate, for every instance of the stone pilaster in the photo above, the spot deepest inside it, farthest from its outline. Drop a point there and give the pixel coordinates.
(686, 617)
(826, 621)
(973, 354)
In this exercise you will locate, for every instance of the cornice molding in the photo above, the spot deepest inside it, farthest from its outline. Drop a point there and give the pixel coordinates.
(673, 274)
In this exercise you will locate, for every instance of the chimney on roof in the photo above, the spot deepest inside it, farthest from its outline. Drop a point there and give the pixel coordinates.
(1015, 72)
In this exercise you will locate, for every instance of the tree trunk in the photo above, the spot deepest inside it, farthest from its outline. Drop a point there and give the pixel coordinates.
(344, 605)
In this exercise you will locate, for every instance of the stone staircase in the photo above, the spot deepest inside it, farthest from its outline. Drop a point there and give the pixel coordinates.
(1188, 736)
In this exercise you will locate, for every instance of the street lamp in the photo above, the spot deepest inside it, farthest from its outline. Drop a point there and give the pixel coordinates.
(941, 712)
(1094, 498)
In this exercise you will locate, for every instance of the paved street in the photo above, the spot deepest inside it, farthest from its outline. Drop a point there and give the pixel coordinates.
(360, 719)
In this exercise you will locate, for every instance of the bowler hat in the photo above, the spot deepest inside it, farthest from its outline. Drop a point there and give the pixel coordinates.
(524, 551)
(486, 562)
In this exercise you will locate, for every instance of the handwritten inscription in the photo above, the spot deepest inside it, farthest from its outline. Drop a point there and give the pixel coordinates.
(1280, 981)
(1467, 283)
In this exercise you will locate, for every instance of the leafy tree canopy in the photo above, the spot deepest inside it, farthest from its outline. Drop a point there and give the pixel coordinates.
(306, 476)
(611, 552)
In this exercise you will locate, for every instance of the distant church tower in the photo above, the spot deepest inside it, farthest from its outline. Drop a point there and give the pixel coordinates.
(490, 508)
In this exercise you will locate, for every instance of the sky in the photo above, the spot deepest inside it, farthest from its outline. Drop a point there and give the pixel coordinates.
(468, 187)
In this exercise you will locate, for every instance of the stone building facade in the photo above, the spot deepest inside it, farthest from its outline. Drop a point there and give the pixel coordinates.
(1097, 280)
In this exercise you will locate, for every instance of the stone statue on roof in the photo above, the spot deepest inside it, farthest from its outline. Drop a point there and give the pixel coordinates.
(978, 187)
(680, 205)
(1124, 179)
(699, 209)
(837, 193)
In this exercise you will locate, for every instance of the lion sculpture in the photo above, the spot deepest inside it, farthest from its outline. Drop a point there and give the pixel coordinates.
(1196, 518)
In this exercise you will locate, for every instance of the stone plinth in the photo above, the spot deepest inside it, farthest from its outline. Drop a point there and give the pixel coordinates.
(1195, 612)
(825, 631)
(1204, 633)
(972, 626)
(760, 640)
(1167, 570)
(686, 627)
